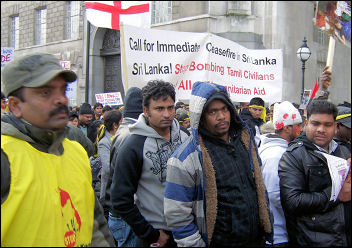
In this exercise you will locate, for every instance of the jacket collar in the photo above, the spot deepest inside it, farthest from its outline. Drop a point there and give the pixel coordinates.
(43, 139)
(311, 146)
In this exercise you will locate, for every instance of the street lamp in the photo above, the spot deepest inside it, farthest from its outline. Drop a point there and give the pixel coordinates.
(303, 53)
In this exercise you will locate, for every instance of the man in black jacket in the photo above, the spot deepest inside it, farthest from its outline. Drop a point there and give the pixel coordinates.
(312, 219)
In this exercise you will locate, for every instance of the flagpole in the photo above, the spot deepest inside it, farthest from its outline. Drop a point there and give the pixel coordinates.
(87, 61)
(331, 51)
(86, 45)
(123, 58)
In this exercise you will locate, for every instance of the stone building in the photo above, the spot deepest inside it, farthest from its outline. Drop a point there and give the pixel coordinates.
(45, 26)
(60, 27)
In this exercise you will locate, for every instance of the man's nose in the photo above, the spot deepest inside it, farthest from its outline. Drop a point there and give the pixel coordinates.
(321, 129)
(167, 113)
(61, 98)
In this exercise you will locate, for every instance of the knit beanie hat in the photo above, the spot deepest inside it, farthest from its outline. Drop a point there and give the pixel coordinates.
(285, 114)
(85, 109)
(133, 106)
(180, 111)
(183, 117)
(344, 116)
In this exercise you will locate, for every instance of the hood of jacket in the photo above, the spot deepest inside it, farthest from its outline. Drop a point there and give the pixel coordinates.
(271, 140)
(201, 92)
(141, 127)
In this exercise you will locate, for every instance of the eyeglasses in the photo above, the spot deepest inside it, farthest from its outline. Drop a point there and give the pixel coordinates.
(215, 112)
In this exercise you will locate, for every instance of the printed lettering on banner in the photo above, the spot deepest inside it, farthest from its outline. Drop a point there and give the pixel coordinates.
(7, 55)
(112, 98)
(183, 58)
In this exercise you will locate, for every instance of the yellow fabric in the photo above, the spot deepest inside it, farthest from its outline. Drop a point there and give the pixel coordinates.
(342, 116)
(100, 133)
(7, 109)
(263, 115)
(187, 118)
(51, 200)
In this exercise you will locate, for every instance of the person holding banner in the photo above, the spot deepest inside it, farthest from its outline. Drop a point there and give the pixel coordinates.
(313, 216)
(141, 166)
(98, 111)
(214, 194)
(325, 81)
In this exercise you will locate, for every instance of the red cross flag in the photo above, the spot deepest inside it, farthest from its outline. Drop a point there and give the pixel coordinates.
(109, 14)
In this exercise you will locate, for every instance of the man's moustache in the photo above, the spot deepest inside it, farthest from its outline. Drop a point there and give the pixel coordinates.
(61, 108)
(222, 122)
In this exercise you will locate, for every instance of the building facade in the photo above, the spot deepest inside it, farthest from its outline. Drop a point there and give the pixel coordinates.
(60, 27)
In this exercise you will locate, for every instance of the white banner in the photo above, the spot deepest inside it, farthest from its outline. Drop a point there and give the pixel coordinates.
(182, 58)
(7, 54)
(112, 98)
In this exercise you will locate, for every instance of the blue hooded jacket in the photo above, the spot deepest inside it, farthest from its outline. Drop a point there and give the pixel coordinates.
(190, 203)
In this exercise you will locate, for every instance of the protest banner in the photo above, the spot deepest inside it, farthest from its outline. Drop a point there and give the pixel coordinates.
(334, 18)
(112, 98)
(7, 54)
(183, 58)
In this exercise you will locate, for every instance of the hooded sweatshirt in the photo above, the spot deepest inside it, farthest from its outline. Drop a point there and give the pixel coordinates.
(271, 149)
(141, 170)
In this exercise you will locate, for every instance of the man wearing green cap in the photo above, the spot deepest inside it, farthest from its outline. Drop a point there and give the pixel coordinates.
(46, 193)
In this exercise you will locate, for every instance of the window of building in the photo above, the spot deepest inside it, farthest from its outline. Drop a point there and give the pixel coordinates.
(72, 20)
(321, 37)
(161, 11)
(14, 34)
(40, 27)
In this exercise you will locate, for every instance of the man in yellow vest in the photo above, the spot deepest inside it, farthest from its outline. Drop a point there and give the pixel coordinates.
(47, 197)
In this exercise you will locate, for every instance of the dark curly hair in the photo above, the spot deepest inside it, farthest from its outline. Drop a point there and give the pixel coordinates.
(321, 107)
(156, 89)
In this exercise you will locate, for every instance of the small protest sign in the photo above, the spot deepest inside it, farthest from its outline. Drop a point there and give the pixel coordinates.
(111, 98)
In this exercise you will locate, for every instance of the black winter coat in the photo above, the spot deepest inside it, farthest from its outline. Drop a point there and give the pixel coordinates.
(305, 189)
(250, 120)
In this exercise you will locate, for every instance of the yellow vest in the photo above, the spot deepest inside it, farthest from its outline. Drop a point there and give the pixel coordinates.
(51, 200)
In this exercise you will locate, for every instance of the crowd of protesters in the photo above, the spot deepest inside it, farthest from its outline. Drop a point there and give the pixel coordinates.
(156, 172)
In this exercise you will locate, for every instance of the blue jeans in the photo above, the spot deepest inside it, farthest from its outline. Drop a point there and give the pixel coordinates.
(122, 232)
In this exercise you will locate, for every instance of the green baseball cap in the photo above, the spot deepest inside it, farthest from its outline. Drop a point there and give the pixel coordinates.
(33, 70)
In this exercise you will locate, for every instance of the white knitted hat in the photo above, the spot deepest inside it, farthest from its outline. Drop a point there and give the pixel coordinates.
(285, 114)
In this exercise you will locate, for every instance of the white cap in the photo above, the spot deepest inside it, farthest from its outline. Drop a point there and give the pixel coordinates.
(285, 114)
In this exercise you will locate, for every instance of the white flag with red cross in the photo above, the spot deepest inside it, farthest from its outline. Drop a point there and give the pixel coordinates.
(109, 14)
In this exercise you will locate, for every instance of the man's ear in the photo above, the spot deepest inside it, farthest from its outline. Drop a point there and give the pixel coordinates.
(15, 106)
(305, 122)
(146, 111)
